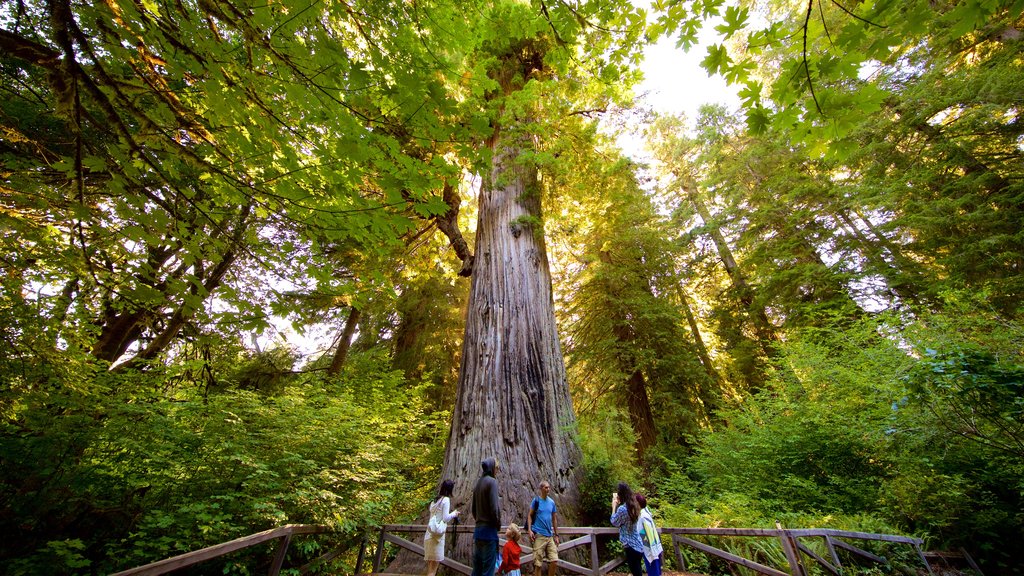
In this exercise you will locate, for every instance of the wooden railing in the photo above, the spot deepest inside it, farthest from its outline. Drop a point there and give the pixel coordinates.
(797, 552)
(283, 535)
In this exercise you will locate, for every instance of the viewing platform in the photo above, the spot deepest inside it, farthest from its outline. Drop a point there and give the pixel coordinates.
(580, 552)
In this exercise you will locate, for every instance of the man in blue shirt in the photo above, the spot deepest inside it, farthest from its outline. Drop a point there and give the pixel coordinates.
(542, 523)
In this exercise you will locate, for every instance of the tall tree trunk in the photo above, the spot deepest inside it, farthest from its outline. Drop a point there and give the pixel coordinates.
(638, 402)
(874, 251)
(640, 415)
(766, 335)
(698, 340)
(344, 342)
(513, 398)
(129, 327)
(513, 401)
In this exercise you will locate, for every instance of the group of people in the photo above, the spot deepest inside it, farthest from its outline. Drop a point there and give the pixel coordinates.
(637, 532)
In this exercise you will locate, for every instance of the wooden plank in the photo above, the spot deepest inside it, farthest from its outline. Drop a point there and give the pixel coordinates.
(279, 555)
(790, 551)
(305, 568)
(418, 550)
(403, 543)
(566, 565)
(970, 562)
(800, 533)
(612, 565)
(832, 550)
(210, 552)
(380, 550)
(800, 546)
(921, 555)
(595, 568)
(570, 544)
(864, 553)
(565, 546)
(766, 532)
(732, 557)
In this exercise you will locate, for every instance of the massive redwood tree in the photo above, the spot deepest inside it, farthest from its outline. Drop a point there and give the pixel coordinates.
(513, 401)
(513, 398)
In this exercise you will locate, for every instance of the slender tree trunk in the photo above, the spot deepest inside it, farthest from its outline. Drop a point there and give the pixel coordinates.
(826, 288)
(702, 349)
(762, 326)
(184, 311)
(874, 251)
(637, 401)
(344, 342)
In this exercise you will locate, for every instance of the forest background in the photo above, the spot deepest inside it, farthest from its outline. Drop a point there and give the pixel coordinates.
(807, 310)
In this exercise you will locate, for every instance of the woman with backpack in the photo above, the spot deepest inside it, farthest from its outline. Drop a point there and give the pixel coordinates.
(437, 525)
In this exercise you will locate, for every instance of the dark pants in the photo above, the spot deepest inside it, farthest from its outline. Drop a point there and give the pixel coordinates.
(485, 555)
(635, 560)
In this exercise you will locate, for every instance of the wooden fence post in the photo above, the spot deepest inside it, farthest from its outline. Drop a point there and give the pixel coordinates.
(380, 551)
(679, 553)
(279, 555)
(362, 554)
(920, 554)
(790, 550)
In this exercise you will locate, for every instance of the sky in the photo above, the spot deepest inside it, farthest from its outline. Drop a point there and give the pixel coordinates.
(674, 83)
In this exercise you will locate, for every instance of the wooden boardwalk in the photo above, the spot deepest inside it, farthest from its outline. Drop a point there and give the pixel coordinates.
(794, 543)
(802, 548)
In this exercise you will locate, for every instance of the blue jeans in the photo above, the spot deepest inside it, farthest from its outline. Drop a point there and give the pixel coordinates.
(485, 553)
(653, 568)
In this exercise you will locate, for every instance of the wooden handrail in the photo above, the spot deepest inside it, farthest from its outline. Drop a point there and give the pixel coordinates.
(789, 538)
(587, 536)
(284, 533)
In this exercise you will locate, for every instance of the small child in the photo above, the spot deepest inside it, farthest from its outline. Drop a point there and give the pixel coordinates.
(510, 552)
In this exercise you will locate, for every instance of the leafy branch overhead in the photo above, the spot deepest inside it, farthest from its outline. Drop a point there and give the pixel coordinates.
(234, 238)
(824, 49)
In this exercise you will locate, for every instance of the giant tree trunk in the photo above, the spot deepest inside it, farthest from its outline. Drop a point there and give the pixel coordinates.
(513, 398)
(513, 401)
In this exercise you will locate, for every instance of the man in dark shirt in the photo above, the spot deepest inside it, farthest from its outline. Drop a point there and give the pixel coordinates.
(487, 513)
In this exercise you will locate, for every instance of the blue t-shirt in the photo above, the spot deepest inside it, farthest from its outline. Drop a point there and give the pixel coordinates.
(542, 515)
